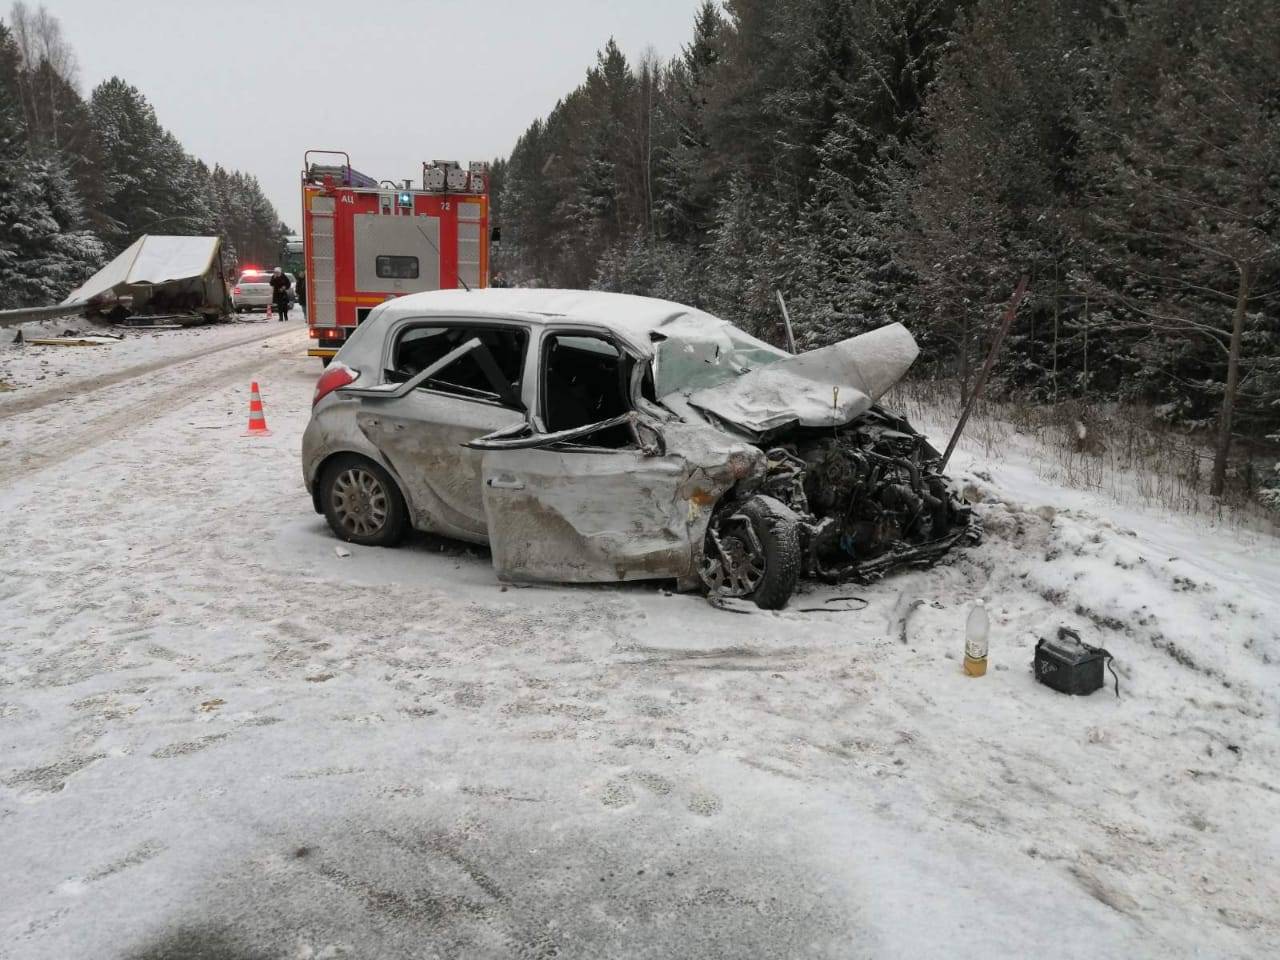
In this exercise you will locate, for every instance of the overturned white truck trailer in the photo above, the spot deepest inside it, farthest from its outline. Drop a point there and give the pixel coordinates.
(172, 278)
(155, 279)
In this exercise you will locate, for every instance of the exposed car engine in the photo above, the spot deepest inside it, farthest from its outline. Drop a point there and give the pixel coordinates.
(864, 499)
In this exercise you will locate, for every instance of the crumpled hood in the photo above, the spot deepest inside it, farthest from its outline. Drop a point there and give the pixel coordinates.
(828, 387)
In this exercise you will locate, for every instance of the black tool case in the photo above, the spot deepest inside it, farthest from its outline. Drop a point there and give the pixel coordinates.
(1070, 665)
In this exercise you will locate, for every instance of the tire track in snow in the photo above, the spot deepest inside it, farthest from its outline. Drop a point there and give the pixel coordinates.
(75, 390)
(131, 415)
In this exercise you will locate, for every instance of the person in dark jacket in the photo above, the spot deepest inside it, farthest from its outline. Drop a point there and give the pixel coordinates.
(301, 289)
(280, 292)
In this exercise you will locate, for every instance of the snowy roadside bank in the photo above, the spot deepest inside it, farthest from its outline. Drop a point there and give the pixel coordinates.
(214, 730)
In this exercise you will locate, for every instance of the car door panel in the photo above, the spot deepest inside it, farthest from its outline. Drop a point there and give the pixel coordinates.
(585, 515)
(421, 435)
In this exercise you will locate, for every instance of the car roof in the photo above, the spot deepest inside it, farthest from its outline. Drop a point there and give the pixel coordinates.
(633, 317)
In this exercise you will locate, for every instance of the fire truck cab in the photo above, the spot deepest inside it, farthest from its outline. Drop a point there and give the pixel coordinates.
(367, 241)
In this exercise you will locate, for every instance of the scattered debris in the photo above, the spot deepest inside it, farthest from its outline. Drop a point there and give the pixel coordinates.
(732, 604)
(902, 611)
(93, 340)
(342, 552)
(838, 605)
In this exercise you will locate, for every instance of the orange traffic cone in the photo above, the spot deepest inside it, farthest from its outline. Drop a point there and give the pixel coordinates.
(257, 421)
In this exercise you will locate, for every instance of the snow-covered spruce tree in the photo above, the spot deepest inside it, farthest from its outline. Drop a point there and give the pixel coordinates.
(685, 168)
(745, 260)
(130, 149)
(1195, 191)
(648, 267)
(870, 64)
(150, 184)
(992, 183)
(43, 251)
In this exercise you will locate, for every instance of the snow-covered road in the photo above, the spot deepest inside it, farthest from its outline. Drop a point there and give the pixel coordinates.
(218, 738)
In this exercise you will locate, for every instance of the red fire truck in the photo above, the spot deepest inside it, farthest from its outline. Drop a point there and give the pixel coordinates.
(367, 241)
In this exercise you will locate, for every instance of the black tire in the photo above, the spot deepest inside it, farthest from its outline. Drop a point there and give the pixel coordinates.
(377, 517)
(780, 538)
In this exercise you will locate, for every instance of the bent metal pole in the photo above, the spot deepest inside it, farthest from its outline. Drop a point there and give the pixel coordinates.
(786, 319)
(1009, 314)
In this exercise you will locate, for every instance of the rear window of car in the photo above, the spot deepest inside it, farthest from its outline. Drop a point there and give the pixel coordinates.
(420, 346)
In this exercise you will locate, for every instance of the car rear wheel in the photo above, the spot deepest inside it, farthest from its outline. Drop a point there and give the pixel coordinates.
(362, 503)
(753, 550)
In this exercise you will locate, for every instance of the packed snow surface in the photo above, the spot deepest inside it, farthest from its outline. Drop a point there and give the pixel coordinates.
(220, 736)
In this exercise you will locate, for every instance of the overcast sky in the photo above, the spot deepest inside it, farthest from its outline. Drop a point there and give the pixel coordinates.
(393, 82)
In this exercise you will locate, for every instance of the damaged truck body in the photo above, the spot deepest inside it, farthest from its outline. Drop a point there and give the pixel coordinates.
(596, 437)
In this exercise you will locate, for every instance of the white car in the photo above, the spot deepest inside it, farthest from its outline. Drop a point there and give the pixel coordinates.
(599, 437)
(253, 291)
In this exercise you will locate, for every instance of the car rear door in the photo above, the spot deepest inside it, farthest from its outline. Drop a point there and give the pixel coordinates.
(422, 432)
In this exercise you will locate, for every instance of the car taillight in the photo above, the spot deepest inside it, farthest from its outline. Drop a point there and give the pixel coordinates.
(335, 375)
(236, 291)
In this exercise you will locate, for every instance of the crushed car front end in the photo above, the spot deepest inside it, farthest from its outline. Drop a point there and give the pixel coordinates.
(849, 488)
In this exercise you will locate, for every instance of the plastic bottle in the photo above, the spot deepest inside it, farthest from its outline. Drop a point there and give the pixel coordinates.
(976, 629)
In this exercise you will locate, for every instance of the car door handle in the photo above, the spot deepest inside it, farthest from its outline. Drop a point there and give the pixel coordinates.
(506, 483)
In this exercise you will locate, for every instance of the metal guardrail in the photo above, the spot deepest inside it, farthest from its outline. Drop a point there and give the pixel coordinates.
(13, 318)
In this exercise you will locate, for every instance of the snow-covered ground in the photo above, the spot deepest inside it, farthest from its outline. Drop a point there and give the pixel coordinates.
(218, 735)
(41, 372)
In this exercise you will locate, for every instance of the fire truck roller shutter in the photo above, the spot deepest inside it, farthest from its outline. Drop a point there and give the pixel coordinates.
(400, 237)
(321, 291)
(469, 226)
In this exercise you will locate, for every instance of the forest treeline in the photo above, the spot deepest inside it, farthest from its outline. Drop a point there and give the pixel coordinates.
(882, 160)
(81, 179)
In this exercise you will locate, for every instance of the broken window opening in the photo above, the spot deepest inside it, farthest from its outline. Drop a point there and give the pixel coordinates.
(491, 373)
(586, 380)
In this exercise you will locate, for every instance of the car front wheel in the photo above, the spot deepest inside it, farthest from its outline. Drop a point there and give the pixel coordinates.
(753, 550)
(362, 503)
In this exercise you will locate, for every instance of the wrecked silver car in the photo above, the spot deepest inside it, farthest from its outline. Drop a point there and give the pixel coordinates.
(593, 437)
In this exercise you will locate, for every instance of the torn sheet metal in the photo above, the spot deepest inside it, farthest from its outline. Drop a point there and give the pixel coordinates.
(586, 517)
(828, 387)
(596, 515)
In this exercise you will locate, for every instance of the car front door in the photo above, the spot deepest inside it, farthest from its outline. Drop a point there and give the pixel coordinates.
(579, 498)
(422, 432)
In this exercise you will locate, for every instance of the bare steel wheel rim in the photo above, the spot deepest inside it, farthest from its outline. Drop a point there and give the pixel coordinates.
(360, 502)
